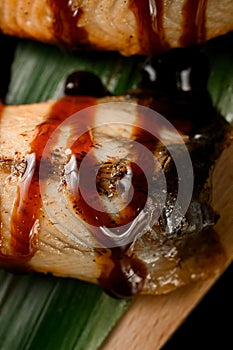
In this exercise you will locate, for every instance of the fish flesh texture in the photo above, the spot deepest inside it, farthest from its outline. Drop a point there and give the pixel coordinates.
(130, 27)
(114, 191)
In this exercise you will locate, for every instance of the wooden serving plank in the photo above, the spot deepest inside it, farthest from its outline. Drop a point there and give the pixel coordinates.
(151, 320)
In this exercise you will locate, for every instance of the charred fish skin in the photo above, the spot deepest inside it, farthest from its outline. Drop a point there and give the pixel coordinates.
(130, 27)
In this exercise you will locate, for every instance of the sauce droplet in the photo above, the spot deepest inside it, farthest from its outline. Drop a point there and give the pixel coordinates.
(127, 276)
(84, 83)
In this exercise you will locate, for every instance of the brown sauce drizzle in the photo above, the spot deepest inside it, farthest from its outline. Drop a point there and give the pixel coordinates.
(150, 29)
(124, 275)
(89, 214)
(149, 18)
(27, 206)
(1, 108)
(65, 24)
(127, 274)
(194, 30)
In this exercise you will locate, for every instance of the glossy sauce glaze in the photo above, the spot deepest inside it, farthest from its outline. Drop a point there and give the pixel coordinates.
(149, 17)
(122, 275)
(85, 83)
(26, 211)
(66, 16)
(194, 19)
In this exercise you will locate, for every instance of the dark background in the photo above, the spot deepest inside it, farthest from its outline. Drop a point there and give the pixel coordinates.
(210, 324)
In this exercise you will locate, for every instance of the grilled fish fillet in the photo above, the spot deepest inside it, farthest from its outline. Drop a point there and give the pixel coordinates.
(67, 204)
(130, 27)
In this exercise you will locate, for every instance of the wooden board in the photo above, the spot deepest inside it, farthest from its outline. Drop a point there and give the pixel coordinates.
(150, 321)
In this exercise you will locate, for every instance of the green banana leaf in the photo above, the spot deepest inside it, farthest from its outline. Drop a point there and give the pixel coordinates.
(40, 311)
